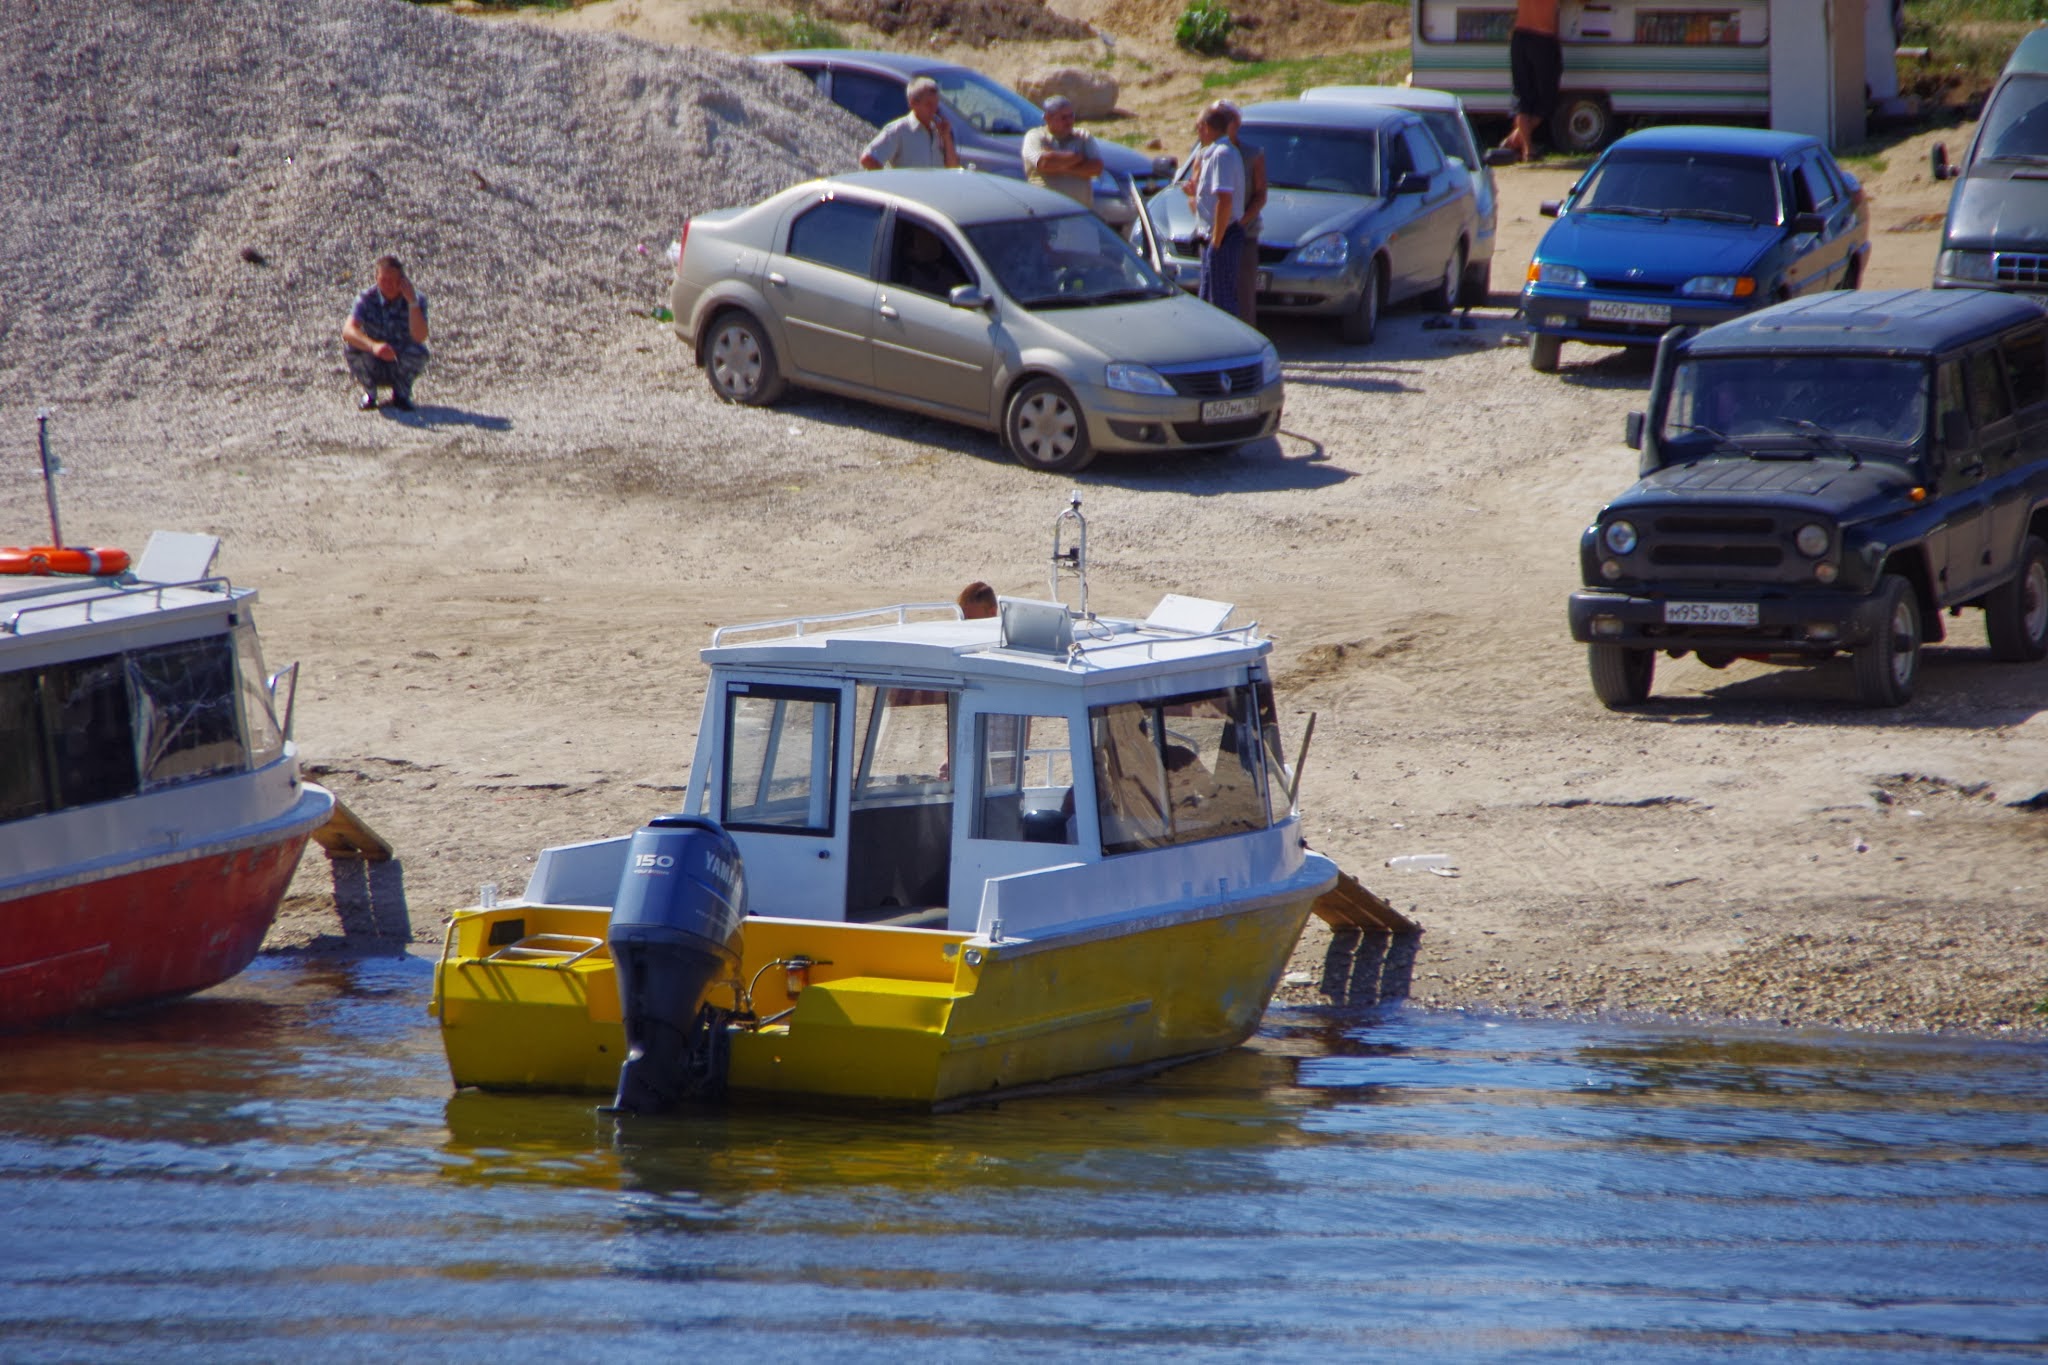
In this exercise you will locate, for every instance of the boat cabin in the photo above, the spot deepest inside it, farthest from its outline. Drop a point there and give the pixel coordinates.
(912, 768)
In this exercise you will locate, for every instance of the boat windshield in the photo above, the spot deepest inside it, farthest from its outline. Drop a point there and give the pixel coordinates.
(1716, 187)
(1069, 260)
(1729, 407)
(1186, 768)
(987, 106)
(2016, 124)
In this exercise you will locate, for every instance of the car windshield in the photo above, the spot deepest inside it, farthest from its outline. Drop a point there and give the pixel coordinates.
(1071, 260)
(2016, 124)
(1728, 408)
(1338, 161)
(1674, 184)
(989, 107)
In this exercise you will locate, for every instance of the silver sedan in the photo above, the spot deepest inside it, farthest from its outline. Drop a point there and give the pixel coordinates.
(971, 298)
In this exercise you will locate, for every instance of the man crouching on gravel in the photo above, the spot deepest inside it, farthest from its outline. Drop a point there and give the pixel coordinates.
(385, 337)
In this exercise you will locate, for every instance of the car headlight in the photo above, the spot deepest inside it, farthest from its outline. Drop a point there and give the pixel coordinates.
(1269, 364)
(1128, 378)
(1329, 249)
(1719, 286)
(1620, 536)
(1562, 276)
(1812, 540)
(1966, 265)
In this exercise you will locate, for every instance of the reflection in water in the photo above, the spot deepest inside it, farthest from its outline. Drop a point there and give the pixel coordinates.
(280, 1162)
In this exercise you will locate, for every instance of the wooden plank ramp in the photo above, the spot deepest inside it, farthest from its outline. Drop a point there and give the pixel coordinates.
(1349, 905)
(345, 836)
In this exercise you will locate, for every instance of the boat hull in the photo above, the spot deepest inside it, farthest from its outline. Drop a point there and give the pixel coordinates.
(896, 1016)
(144, 931)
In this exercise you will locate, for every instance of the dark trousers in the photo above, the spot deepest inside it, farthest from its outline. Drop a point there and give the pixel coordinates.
(395, 375)
(1221, 261)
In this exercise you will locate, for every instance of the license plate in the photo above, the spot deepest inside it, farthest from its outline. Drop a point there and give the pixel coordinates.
(1710, 614)
(1265, 281)
(1224, 409)
(1607, 311)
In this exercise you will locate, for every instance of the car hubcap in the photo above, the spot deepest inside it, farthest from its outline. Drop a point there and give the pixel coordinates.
(736, 360)
(1046, 427)
(2034, 600)
(1903, 644)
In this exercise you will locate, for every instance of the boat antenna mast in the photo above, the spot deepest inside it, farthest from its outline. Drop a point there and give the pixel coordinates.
(1071, 559)
(51, 469)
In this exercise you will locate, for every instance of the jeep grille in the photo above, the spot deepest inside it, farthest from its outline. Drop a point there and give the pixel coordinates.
(1740, 544)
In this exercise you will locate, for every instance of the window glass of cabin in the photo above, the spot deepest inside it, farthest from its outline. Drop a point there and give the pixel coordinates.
(1984, 378)
(1180, 769)
(22, 791)
(871, 99)
(906, 744)
(780, 758)
(2026, 368)
(262, 729)
(90, 729)
(1948, 398)
(837, 233)
(1815, 194)
(185, 723)
(920, 258)
(1277, 775)
(1027, 779)
(1422, 149)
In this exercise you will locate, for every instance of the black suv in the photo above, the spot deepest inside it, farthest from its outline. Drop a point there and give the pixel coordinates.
(1827, 474)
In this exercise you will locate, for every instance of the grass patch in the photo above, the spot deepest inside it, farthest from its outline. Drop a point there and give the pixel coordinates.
(1865, 164)
(1296, 74)
(1967, 42)
(771, 32)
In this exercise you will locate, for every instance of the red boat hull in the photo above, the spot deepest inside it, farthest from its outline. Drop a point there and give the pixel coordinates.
(139, 935)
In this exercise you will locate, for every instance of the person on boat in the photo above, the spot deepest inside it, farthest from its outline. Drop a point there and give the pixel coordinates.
(921, 139)
(384, 340)
(1535, 69)
(977, 601)
(1060, 158)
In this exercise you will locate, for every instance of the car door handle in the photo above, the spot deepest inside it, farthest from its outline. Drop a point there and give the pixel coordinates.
(886, 311)
(777, 277)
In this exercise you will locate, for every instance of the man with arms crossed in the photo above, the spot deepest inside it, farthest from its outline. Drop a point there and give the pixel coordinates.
(1059, 158)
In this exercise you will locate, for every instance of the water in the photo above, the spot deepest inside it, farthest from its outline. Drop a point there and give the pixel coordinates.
(278, 1170)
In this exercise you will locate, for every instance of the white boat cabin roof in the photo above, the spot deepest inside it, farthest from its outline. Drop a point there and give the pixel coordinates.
(1030, 642)
(169, 586)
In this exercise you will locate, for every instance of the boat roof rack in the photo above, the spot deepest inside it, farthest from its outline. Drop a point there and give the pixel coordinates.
(801, 625)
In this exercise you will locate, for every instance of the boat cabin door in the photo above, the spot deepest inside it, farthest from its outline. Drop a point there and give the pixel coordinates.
(780, 793)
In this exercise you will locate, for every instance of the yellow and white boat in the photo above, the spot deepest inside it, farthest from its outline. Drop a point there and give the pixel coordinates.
(925, 860)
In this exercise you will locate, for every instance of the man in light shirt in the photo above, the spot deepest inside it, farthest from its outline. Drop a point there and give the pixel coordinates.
(920, 139)
(1059, 158)
(1216, 185)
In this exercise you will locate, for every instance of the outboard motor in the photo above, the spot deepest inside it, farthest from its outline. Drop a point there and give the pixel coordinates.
(675, 930)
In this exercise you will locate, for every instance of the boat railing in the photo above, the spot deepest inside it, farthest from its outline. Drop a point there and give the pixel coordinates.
(1153, 636)
(552, 950)
(125, 593)
(798, 625)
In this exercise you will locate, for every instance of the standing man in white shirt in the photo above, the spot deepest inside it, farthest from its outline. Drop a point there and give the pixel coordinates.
(1059, 158)
(920, 139)
(1216, 185)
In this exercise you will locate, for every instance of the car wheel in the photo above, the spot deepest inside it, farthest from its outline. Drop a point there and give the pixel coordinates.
(1582, 123)
(1478, 286)
(1621, 677)
(1045, 430)
(1887, 666)
(740, 363)
(1364, 320)
(2016, 612)
(1445, 296)
(1543, 352)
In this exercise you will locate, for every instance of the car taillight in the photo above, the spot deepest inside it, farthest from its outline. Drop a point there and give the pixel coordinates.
(682, 241)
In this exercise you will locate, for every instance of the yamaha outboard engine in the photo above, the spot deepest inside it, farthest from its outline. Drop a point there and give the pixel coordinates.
(675, 930)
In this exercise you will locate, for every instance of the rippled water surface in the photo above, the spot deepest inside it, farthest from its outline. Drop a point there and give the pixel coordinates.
(278, 1170)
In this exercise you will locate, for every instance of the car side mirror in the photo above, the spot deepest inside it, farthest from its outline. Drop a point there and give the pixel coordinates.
(1632, 432)
(1808, 225)
(1412, 182)
(967, 296)
(1548, 208)
(1499, 156)
(1937, 161)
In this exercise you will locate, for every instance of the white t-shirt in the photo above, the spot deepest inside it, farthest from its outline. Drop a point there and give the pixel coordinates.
(1221, 171)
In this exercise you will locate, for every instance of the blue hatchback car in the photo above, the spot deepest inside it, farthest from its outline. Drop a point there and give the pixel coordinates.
(1691, 225)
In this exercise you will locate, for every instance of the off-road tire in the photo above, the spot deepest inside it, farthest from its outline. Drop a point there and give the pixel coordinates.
(1887, 667)
(1622, 677)
(2016, 611)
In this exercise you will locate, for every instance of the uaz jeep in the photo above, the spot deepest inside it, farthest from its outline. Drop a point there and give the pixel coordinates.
(1827, 475)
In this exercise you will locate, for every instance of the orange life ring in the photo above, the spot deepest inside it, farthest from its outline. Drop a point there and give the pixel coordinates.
(55, 559)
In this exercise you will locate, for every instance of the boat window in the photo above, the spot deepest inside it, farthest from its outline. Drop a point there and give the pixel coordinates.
(780, 758)
(1181, 769)
(1027, 779)
(906, 743)
(263, 730)
(88, 718)
(185, 710)
(1278, 775)
(22, 790)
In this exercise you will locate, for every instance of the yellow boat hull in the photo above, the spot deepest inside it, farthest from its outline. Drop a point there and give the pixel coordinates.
(527, 1000)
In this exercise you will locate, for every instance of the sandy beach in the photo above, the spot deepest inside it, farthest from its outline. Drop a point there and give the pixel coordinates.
(497, 602)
